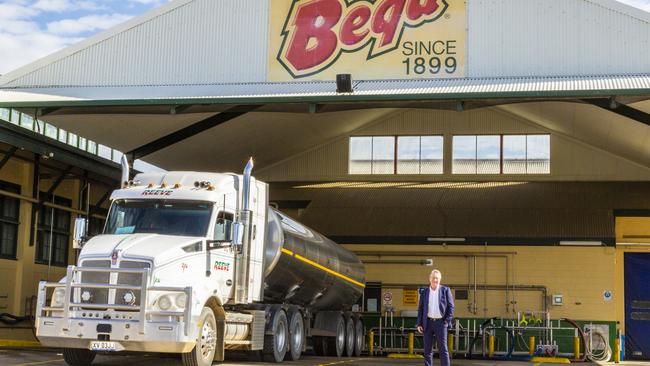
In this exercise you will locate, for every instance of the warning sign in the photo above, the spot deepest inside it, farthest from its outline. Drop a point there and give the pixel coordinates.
(410, 297)
(388, 298)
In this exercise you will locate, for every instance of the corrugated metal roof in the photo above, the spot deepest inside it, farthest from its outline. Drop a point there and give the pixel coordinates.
(423, 89)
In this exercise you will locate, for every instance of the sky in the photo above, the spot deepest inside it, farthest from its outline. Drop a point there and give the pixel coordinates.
(31, 29)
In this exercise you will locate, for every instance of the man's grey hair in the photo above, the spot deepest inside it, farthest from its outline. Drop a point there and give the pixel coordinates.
(434, 272)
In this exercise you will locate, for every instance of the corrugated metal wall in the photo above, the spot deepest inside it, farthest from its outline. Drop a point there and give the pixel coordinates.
(555, 37)
(201, 42)
(225, 41)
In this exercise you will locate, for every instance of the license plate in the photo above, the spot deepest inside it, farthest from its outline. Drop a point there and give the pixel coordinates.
(103, 346)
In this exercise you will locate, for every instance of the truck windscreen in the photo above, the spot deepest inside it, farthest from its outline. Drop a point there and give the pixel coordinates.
(166, 217)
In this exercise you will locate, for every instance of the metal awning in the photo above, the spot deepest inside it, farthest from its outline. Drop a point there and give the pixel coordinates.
(394, 93)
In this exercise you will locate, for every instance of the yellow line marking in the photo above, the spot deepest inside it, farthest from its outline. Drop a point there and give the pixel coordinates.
(309, 261)
(340, 362)
(18, 343)
(38, 363)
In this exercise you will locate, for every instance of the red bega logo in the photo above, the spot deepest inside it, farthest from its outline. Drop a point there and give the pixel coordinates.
(316, 32)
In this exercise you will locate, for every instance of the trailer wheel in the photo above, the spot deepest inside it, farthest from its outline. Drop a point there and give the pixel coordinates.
(275, 345)
(349, 336)
(296, 335)
(336, 345)
(78, 356)
(206, 343)
(359, 337)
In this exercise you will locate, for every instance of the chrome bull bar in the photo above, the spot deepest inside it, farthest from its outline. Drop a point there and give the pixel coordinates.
(69, 285)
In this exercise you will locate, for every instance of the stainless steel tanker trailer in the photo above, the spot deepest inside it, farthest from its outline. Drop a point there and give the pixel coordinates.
(197, 264)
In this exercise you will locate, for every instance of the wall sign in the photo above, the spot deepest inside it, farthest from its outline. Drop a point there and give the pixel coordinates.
(370, 39)
(410, 296)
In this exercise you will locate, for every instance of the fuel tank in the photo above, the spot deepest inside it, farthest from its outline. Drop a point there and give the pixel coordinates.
(303, 267)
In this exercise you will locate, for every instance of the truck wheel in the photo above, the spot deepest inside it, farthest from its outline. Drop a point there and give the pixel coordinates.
(296, 335)
(336, 345)
(359, 337)
(78, 356)
(349, 336)
(275, 345)
(206, 343)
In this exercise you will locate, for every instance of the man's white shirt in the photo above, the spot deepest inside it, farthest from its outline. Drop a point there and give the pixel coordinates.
(434, 303)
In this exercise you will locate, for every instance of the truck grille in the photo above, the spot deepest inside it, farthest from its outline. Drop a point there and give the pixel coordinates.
(133, 279)
(114, 296)
(100, 296)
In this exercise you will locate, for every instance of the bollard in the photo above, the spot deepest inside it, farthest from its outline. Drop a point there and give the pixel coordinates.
(576, 346)
(371, 343)
(450, 345)
(531, 345)
(491, 347)
(411, 341)
(617, 347)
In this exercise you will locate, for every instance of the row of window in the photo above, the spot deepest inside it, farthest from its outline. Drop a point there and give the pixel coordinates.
(53, 227)
(471, 154)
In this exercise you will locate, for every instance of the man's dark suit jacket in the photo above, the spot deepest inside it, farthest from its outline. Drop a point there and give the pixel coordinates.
(446, 301)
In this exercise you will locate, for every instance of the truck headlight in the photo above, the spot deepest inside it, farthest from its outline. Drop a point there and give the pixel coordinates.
(164, 303)
(58, 298)
(181, 301)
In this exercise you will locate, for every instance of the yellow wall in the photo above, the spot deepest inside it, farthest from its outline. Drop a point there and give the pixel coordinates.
(23, 273)
(580, 274)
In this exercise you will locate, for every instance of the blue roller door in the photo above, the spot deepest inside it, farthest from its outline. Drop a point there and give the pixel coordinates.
(637, 305)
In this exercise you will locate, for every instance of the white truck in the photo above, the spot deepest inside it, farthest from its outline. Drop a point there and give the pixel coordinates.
(199, 263)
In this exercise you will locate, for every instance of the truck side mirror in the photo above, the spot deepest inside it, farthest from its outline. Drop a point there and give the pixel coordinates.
(237, 234)
(79, 235)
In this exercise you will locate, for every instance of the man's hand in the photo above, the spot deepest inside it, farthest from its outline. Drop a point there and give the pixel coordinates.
(420, 329)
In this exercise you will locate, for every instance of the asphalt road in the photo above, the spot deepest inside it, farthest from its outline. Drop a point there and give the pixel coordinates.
(48, 357)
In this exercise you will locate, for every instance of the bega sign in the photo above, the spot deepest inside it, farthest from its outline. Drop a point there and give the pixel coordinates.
(379, 39)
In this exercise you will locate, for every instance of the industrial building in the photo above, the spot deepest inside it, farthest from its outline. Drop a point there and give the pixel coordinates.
(506, 143)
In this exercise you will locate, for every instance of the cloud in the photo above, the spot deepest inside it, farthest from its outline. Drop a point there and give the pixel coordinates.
(86, 24)
(59, 6)
(641, 4)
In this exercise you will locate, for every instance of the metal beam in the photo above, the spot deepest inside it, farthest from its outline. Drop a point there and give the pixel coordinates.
(190, 131)
(621, 109)
(58, 180)
(8, 156)
(104, 198)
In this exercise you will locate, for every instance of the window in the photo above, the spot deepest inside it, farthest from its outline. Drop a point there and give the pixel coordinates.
(508, 154)
(378, 154)
(372, 155)
(419, 155)
(5, 113)
(9, 216)
(223, 226)
(53, 233)
(27, 122)
(164, 217)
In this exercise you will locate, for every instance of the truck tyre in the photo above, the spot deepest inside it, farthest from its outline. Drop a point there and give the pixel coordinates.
(275, 345)
(296, 335)
(206, 343)
(349, 336)
(78, 356)
(336, 345)
(359, 337)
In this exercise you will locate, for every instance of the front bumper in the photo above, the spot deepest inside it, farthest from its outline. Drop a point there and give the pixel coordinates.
(133, 327)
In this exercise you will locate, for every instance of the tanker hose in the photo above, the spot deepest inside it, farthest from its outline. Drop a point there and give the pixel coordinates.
(582, 338)
(471, 346)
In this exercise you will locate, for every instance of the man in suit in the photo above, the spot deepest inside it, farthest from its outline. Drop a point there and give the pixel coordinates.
(435, 311)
